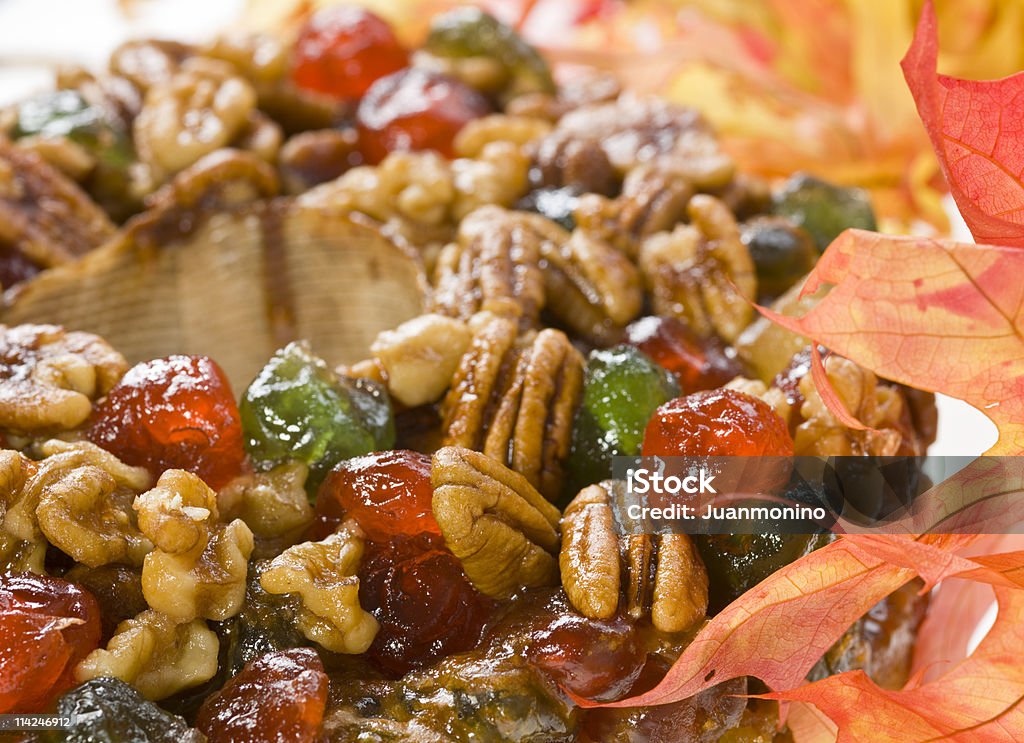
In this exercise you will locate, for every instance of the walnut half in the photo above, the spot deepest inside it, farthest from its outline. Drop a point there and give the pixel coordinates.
(660, 575)
(492, 519)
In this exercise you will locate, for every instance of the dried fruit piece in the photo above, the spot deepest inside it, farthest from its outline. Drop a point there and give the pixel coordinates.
(117, 589)
(387, 493)
(107, 710)
(662, 575)
(503, 530)
(427, 609)
(156, 655)
(297, 408)
(697, 363)
(722, 423)
(343, 50)
(621, 389)
(173, 413)
(823, 209)
(50, 377)
(415, 109)
(280, 696)
(470, 33)
(782, 253)
(323, 575)
(199, 565)
(46, 626)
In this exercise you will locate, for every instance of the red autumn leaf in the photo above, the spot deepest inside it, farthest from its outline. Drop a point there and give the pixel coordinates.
(780, 628)
(976, 128)
(938, 315)
(979, 699)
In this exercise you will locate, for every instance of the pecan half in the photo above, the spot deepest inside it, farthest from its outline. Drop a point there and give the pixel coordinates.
(657, 575)
(493, 265)
(702, 272)
(495, 522)
(514, 400)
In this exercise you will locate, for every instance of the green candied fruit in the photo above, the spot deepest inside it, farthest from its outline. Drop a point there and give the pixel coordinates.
(823, 209)
(67, 114)
(782, 253)
(297, 408)
(470, 32)
(621, 390)
(107, 710)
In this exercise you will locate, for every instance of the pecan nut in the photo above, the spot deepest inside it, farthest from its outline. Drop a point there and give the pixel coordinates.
(504, 532)
(514, 400)
(702, 272)
(49, 377)
(657, 575)
(323, 575)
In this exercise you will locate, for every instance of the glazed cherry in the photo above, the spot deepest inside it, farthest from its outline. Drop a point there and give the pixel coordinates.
(342, 50)
(593, 658)
(387, 493)
(173, 413)
(426, 606)
(47, 625)
(698, 364)
(278, 697)
(415, 109)
(719, 422)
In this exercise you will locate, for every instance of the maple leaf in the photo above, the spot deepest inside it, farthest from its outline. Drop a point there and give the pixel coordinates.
(936, 315)
(977, 131)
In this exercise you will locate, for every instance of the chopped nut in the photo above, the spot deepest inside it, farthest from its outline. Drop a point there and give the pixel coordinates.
(199, 565)
(147, 62)
(662, 575)
(323, 574)
(259, 58)
(702, 273)
(877, 406)
(199, 109)
(49, 377)
(516, 401)
(493, 266)
(63, 153)
(273, 504)
(156, 655)
(771, 395)
(83, 496)
(420, 356)
(495, 522)
(498, 176)
(517, 130)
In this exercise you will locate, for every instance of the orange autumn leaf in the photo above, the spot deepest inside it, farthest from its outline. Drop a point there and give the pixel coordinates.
(981, 698)
(976, 131)
(937, 315)
(779, 629)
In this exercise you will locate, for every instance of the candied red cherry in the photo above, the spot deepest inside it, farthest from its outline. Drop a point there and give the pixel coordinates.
(342, 50)
(280, 696)
(47, 625)
(698, 364)
(173, 413)
(387, 493)
(426, 606)
(593, 658)
(722, 422)
(415, 109)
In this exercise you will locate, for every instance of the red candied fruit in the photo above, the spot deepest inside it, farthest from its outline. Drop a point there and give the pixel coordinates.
(425, 605)
(279, 696)
(173, 413)
(387, 493)
(698, 364)
(342, 50)
(721, 422)
(598, 659)
(47, 625)
(415, 109)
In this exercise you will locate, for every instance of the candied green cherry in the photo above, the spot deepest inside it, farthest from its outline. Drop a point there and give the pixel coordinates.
(107, 710)
(297, 408)
(781, 251)
(822, 208)
(622, 388)
(470, 32)
(66, 113)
